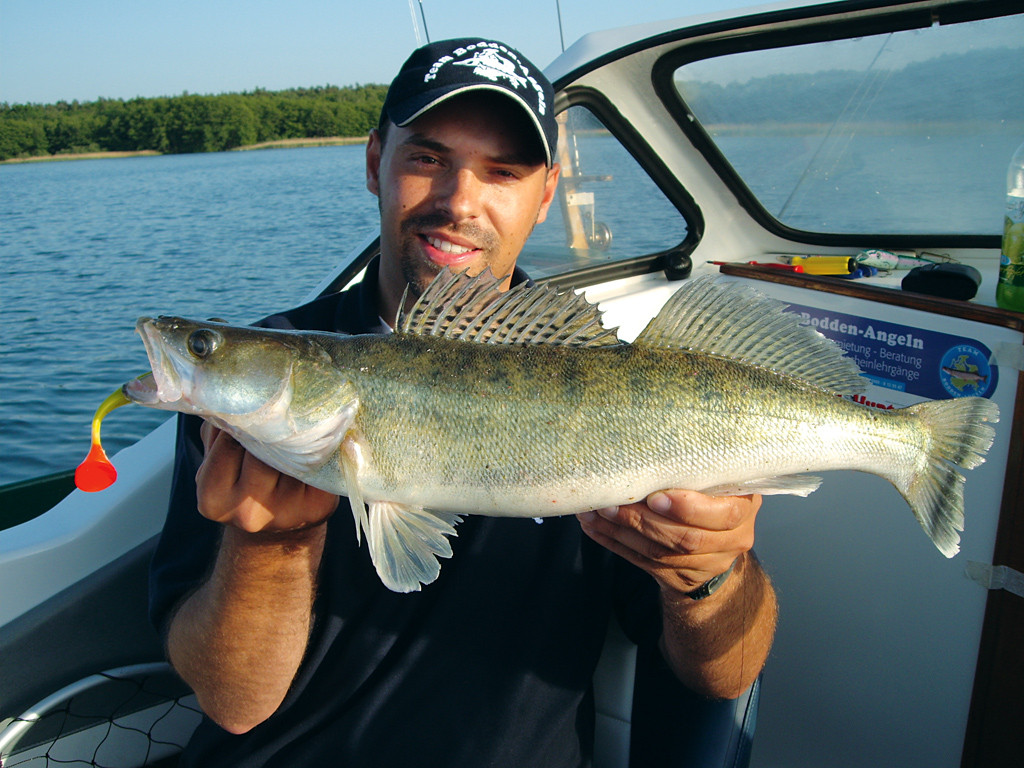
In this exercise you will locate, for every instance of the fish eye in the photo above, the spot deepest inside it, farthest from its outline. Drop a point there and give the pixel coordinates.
(202, 343)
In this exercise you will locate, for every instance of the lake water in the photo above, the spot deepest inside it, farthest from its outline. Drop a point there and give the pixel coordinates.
(86, 247)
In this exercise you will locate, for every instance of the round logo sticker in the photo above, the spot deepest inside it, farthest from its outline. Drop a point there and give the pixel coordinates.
(965, 372)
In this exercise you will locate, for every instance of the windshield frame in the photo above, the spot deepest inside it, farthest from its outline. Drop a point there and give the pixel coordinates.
(757, 34)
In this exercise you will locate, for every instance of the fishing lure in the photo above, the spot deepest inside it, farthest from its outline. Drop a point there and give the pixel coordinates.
(96, 472)
(889, 261)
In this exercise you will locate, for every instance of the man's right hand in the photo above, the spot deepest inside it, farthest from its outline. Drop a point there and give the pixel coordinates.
(235, 488)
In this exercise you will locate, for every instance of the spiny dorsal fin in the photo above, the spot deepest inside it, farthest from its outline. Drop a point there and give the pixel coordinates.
(456, 306)
(731, 320)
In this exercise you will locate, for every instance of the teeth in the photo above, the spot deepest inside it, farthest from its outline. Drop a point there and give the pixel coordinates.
(448, 246)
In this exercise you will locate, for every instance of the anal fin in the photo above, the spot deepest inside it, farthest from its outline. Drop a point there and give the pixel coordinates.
(793, 485)
(406, 542)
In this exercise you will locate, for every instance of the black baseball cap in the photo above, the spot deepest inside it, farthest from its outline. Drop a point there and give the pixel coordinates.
(444, 69)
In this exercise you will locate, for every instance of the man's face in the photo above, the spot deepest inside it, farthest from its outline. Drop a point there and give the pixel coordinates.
(461, 186)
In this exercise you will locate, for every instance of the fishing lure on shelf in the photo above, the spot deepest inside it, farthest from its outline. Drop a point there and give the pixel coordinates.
(890, 261)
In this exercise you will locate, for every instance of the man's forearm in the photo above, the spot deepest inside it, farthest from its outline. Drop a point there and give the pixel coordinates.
(717, 646)
(239, 639)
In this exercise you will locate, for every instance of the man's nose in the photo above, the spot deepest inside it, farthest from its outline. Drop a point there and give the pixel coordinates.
(460, 194)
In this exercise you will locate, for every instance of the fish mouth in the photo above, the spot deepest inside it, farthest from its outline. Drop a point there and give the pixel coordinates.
(142, 390)
(163, 384)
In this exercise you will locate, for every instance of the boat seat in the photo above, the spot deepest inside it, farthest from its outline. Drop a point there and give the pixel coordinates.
(645, 718)
(648, 719)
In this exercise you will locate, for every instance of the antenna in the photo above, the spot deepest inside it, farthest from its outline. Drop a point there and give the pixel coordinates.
(415, 25)
(424, 17)
(561, 35)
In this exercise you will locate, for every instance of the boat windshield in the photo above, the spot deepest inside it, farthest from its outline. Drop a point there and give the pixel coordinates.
(605, 205)
(901, 132)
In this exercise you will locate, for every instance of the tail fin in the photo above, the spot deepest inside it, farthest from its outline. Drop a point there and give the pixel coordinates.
(959, 434)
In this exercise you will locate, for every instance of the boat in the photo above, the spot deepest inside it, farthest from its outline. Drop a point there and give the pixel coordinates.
(746, 144)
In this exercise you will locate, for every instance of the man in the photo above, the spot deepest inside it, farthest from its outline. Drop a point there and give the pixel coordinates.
(297, 653)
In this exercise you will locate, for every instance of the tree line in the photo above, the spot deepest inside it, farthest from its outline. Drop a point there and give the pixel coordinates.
(189, 122)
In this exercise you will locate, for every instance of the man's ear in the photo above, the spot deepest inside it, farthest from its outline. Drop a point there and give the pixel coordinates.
(373, 150)
(550, 184)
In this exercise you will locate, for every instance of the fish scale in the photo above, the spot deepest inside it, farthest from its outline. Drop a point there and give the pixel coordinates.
(549, 419)
(523, 404)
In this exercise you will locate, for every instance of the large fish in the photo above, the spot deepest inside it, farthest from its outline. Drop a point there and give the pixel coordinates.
(523, 404)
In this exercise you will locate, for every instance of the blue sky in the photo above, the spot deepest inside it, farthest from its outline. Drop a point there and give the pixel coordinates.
(53, 50)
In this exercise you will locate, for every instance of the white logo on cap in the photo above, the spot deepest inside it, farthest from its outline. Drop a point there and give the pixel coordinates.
(487, 61)
(492, 65)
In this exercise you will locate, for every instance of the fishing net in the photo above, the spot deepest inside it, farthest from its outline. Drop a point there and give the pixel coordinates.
(140, 715)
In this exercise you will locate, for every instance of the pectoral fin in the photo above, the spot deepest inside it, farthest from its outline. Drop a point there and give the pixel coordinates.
(351, 465)
(406, 542)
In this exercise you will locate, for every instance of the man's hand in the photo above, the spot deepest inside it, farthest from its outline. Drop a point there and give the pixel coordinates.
(235, 488)
(715, 646)
(682, 538)
(239, 638)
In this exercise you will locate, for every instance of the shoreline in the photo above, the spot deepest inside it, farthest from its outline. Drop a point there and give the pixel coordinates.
(323, 141)
(79, 156)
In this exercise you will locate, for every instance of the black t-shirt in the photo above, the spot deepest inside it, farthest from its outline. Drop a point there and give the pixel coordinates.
(490, 665)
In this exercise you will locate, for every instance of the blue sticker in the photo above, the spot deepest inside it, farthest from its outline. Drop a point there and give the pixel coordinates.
(905, 359)
(965, 371)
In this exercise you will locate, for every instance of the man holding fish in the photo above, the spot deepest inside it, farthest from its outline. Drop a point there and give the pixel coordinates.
(298, 654)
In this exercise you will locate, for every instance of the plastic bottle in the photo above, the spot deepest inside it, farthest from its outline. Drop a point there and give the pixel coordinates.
(1010, 288)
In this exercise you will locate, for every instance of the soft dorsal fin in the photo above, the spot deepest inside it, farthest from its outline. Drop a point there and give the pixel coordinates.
(732, 320)
(456, 306)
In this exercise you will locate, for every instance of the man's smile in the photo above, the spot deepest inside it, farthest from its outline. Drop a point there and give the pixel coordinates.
(448, 246)
(446, 252)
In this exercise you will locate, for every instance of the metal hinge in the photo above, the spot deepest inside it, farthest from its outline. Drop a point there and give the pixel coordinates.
(996, 577)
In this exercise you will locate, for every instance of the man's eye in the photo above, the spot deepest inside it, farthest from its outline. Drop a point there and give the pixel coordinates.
(506, 175)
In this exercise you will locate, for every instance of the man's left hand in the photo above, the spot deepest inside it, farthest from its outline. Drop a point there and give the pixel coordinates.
(682, 538)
